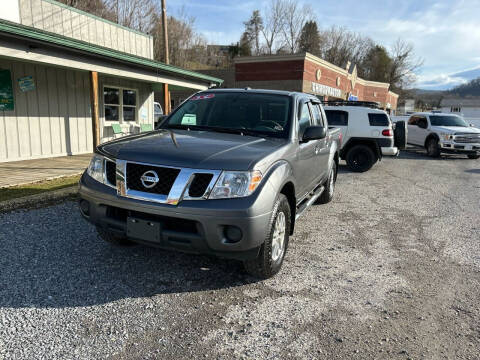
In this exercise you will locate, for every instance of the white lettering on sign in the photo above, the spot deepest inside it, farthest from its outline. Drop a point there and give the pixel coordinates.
(326, 90)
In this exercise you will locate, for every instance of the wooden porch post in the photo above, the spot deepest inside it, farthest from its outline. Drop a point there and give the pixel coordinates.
(95, 111)
(166, 99)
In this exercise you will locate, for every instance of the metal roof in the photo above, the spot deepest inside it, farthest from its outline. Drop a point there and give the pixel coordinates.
(60, 40)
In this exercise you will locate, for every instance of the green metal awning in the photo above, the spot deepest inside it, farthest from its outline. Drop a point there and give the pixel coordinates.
(63, 41)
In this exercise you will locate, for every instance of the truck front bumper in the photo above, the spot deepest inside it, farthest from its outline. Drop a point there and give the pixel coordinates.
(452, 146)
(197, 226)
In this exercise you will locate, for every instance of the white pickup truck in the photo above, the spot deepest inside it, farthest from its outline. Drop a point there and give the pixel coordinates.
(442, 132)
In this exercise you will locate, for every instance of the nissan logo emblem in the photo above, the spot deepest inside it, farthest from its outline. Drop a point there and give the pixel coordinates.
(149, 179)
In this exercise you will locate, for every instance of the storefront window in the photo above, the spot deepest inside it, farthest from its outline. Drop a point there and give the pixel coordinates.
(120, 104)
(111, 100)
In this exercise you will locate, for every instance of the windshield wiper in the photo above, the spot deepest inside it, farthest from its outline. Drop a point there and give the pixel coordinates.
(216, 129)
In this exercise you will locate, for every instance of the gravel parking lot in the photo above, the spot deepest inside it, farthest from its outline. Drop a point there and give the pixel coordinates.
(390, 269)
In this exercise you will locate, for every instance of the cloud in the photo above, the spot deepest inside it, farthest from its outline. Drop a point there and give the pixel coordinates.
(439, 82)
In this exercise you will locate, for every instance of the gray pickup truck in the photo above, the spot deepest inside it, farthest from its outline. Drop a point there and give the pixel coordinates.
(227, 173)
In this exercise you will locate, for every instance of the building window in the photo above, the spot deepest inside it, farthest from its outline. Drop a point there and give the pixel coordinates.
(120, 104)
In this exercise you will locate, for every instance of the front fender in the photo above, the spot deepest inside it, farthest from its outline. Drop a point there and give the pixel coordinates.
(279, 174)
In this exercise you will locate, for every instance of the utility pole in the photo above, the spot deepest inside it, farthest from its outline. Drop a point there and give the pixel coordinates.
(166, 93)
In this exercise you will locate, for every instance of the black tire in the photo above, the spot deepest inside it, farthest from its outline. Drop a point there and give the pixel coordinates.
(473, 156)
(360, 158)
(432, 147)
(329, 191)
(112, 238)
(400, 135)
(264, 266)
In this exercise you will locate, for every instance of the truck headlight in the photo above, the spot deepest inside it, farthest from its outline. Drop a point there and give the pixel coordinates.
(95, 168)
(446, 136)
(232, 184)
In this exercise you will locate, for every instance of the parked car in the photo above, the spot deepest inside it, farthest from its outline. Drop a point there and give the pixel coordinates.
(367, 133)
(228, 174)
(444, 133)
(158, 115)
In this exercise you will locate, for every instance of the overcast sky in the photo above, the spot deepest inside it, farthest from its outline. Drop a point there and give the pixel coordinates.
(446, 34)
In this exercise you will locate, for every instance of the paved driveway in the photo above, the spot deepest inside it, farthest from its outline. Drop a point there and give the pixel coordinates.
(390, 269)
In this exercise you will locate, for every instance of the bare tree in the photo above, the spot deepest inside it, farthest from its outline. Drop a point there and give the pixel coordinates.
(95, 7)
(140, 15)
(253, 27)
(295, 17)
(273, 24)
(404, 65)
(339, 46)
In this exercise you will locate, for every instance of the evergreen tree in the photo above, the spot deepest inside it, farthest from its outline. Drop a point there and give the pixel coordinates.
(310, 38)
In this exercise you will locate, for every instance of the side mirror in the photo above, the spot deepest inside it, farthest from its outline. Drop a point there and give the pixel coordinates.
(314, 133)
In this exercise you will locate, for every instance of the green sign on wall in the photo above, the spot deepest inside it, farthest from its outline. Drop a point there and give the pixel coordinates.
(6, 91)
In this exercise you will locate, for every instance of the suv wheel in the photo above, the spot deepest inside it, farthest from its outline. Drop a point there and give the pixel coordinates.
(112, 238)
(270, 259)
(360, 158)
(473, 156)
(400, 135)
(329, 190)
(433, 150)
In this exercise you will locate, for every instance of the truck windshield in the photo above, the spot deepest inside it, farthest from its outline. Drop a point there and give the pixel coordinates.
(447, 120)
(255, 113)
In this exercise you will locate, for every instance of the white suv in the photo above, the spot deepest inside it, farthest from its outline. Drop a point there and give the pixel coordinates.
(367, 133)
(442, 132)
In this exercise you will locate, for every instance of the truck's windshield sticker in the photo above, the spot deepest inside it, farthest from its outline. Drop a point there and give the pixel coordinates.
(189, 119)
(202, 97)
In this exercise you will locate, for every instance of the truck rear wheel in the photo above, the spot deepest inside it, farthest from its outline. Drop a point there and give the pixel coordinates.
(360, 158)
(270, 259)
(329, 190)
(112, 238)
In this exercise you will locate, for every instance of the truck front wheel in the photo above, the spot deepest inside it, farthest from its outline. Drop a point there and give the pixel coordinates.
(270, 259)
(473, 156)
(433, 149)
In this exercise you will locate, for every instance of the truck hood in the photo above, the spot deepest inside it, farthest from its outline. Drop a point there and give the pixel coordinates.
(456, 129)
(194, 149)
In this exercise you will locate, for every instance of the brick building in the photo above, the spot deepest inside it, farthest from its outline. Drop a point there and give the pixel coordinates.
(301, 72)
(308, 73)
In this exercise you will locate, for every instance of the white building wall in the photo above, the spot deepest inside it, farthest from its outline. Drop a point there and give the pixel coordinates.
(53, 16)
(10, 10)
(466, 112)
(54, 119)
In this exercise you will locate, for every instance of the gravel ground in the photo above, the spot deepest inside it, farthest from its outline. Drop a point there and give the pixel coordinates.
(389, 270)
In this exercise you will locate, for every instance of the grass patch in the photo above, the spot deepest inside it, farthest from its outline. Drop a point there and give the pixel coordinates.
(37, 188)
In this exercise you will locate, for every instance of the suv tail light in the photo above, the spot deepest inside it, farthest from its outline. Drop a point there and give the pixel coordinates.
(387, 132)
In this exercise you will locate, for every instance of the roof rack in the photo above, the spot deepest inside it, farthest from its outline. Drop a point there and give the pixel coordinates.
(369, 104)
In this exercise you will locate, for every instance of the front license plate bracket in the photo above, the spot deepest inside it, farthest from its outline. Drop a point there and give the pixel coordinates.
(145, 230)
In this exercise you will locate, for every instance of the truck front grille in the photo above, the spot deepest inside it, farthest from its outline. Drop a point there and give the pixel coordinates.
(467, 138)
(199, 184)
(166, 178)
(110, 172)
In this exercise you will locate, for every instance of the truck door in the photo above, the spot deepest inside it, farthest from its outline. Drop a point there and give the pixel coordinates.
(417, 130)
(322, 149)
(306, 167)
